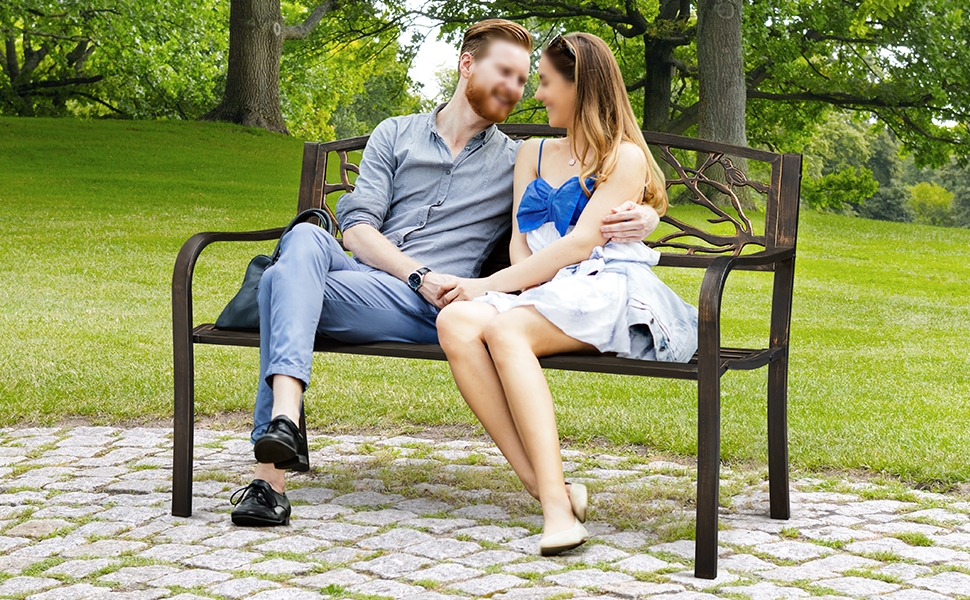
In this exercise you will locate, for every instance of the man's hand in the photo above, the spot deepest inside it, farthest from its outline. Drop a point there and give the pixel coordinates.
(630, 222)
(435, 286)
(466, 289)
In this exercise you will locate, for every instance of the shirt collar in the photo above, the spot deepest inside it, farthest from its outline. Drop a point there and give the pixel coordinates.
(482, 136)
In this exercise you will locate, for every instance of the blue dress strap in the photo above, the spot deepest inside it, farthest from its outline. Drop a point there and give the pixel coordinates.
(539, 162)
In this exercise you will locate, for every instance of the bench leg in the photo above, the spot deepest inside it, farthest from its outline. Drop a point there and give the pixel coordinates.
(708, 472)
(778, 438)
(183, 425)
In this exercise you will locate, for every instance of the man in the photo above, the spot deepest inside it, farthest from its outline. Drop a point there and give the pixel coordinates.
(433, 198)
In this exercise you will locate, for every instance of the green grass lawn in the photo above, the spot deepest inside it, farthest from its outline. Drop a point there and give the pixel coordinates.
(92, 214)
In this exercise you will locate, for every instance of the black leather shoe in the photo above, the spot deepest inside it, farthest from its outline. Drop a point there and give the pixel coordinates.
(283, 445)
(258, 505)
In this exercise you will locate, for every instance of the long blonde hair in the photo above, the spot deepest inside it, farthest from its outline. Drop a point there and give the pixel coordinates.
(603, 112)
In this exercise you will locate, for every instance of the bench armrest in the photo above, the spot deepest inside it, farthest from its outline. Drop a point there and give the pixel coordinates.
(712, 289)
(185, 265)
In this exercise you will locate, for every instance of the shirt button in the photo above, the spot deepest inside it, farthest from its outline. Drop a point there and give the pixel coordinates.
(447, 171)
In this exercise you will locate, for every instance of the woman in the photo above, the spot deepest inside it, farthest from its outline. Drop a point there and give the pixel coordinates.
(581, 295)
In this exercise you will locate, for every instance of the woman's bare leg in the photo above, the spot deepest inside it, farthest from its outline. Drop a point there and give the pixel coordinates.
(516, 338)
(460, 333)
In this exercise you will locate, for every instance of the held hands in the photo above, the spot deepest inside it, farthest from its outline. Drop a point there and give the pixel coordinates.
(630, 222)
(435, 286)
(466, 289)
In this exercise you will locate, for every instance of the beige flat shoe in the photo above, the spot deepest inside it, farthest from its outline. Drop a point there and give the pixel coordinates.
(579, 499)
(563, 541)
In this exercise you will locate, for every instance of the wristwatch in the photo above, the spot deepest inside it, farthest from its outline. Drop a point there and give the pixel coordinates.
(416, 278)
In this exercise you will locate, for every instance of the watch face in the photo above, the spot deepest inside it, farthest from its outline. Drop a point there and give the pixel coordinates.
(414, 280)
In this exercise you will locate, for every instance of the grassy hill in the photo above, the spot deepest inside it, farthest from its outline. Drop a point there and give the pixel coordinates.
(92, 214)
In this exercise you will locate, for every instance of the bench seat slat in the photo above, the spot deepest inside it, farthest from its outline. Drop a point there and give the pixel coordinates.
(731, 358)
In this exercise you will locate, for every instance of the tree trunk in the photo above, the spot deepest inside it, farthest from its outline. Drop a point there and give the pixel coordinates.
(722, 88)
(657, 56)
(252, 95)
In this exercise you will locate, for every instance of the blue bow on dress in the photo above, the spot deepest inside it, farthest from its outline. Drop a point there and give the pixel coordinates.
(542, 203)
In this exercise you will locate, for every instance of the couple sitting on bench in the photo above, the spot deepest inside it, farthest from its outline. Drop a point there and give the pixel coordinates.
(433, 198)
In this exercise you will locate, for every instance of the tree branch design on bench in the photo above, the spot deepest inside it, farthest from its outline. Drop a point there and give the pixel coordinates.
(716, 254)
(692, 179)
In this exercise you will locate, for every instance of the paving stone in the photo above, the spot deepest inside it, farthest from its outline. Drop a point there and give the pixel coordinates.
(795, 551)
(80, 569)
(9, 543)
(423, 506)
(190, 578)
(341, 577)
(339, 555)
(642, 563)
(103, 548)
(766, 591)
(949, 582)
(641, 589)
(226, 559)
(745, 537)
(392, 566)
(129, 576)
(489, 558)
(913, 594)
(582, 578)
(743, 563)
(491, 533)
(341, 532)
(444, 573)
(287, 594)
(904, 571)
(595, 553)
(539, 593)
(842, 562)
(172, 552)
(395, 539)
(79, 591)
(488, 584)
(437, 526)
(440, 549)
(292, 543)
(628, 540)
(323, 512)
(392, 589)
(381, 518)
(858, 586)
(239, 538)
(799, 573)
(482, 511)
(374, 499)
(22, 585)
(681, 548)
(38, 528)
(310, 495)
(281, 566)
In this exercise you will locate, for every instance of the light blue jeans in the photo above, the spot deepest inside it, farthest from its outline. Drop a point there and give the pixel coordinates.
(315, 288)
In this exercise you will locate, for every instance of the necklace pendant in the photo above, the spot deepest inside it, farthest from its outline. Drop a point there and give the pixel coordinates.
(572, 162)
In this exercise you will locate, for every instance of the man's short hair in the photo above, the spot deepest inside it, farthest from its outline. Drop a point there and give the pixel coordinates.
(481, 34)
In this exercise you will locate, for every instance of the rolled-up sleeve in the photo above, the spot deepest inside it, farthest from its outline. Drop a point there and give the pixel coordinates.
(371, 199)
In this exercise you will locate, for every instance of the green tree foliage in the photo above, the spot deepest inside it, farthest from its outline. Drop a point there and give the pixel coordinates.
(931, 204)
(125, 57)
(904, 62)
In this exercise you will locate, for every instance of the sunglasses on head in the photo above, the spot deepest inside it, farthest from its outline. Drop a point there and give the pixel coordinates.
(563, 46)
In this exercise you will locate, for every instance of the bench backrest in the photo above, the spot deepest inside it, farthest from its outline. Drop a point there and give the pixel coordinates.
(698, 169)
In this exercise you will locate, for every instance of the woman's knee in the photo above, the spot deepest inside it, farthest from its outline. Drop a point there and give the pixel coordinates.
(459, 324)
(504, 332)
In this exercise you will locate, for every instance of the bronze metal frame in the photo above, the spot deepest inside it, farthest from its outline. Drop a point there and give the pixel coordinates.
(717, 254)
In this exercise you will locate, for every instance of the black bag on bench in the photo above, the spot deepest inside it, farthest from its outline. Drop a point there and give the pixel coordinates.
(242, 312)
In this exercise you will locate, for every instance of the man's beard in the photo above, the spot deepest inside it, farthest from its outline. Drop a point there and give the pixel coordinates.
(478, 98)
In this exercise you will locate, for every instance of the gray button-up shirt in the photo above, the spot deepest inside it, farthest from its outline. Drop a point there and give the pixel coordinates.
(446, 213)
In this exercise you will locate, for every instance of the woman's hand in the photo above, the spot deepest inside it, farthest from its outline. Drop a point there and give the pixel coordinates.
(466, 289)
(630, 222)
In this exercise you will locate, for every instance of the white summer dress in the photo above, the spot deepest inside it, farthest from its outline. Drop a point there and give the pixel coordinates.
(613, 300)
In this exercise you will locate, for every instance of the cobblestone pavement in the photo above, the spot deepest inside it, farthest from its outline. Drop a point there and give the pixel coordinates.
(84, 513)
